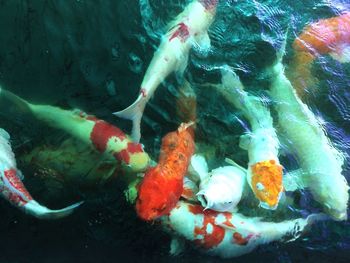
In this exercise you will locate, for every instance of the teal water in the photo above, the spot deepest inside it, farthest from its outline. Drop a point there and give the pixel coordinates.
(92, 55)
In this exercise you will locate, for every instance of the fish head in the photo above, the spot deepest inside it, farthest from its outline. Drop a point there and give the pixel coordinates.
(334, 201)
(265, 179)
(157, 195)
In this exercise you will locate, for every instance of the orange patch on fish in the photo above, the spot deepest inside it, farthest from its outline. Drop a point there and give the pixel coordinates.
(266, 181)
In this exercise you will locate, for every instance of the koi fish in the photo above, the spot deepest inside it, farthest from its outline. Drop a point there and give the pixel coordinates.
(189, 29)
(222, 188)
(162, 185)
(264, 169)
(102, 136)
(228, 234)
(327, 36)
(13, 190)
(320, 161)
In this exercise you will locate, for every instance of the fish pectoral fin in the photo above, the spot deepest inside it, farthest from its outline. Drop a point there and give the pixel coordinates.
(177, 246)
(4, 134)
(294, 180)
(181, 67)
(39, 211)
(203, 43)
(233, 163)
(225, 226)
(244, 141)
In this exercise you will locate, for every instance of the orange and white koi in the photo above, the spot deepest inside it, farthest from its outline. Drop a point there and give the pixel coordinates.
(162, 185)
(189, 29)
(327, 36)
(13, 190)
(228, 234)
(264, 169)
(102, 136)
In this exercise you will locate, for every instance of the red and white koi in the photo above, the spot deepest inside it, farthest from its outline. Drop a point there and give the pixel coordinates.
(13, 190)
(327, 36)
(264, 169)
(188, 29)
(320, 161)
(228, 234)
(102, 136)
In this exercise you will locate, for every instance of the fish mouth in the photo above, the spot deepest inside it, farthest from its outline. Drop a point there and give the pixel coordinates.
(203, 199)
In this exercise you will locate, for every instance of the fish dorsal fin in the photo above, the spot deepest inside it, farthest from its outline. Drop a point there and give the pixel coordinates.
(244, 141)
(203, 43)
(199, 166)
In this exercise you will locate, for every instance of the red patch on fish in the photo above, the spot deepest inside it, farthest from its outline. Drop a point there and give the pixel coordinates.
(181, 32)
(11, 176)
(143, 92)
(134, 147)
(162, 186)
(123, 156)
(228, 217)
(102, 132)
(209, 239)
(187, 193)
(209, 4)
(212, 238)
(239, 240)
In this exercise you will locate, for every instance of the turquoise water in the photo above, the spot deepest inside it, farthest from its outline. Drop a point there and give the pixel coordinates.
(92, 55)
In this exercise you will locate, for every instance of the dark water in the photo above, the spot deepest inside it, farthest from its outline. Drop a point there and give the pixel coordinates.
(92, 55)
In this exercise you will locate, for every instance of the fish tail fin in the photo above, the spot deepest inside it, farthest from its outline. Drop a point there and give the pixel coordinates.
(134, 113)
(39, 211)
(15, 103)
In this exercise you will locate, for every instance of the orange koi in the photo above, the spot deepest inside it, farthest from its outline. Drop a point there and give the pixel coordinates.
(162, 185)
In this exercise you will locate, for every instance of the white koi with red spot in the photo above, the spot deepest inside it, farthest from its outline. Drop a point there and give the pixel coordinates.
(228, 234)
(187, 30)
(13, 190)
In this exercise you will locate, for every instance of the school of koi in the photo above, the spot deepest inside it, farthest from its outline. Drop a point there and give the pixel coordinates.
(168, 191)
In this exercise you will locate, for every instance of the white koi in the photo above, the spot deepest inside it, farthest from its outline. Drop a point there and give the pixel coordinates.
(222, 188)
(320, 161)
